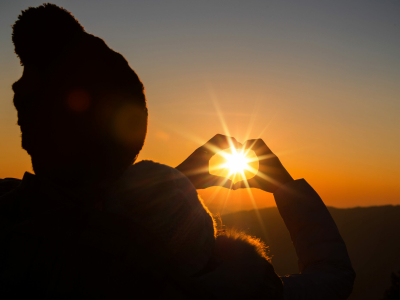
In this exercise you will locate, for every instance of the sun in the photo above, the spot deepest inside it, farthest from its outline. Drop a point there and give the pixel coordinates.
(236, 162)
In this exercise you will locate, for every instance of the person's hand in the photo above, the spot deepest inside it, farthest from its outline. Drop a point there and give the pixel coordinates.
(196, 166)
(271, 174)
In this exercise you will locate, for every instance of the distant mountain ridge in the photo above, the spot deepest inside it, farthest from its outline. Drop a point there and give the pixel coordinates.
(372, 236)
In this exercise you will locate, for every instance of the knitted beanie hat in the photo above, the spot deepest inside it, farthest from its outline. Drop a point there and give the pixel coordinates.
(180, 231)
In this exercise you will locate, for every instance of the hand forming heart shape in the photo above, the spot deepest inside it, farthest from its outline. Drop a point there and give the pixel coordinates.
(196, 166)
(270, 176)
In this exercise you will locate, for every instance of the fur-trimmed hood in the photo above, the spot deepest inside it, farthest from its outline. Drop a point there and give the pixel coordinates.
(242, 271)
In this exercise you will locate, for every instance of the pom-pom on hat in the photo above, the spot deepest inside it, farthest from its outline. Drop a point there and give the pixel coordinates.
(41, 33)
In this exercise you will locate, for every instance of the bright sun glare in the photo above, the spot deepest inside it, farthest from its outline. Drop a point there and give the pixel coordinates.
(236, 162)
(236, 165)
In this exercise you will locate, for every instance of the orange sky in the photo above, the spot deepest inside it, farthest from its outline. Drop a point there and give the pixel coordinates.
(319, 85)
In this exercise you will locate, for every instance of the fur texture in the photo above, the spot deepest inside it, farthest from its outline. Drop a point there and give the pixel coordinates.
(242, 271)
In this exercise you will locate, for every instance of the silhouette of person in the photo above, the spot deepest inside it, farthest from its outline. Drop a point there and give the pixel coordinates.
(89, 224)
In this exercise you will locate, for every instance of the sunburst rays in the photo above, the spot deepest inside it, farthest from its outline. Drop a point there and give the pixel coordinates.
(246, 168)
(240, 158)
(235, 164)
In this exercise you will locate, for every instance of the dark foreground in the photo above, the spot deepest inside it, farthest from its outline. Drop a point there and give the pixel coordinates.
(372, 236)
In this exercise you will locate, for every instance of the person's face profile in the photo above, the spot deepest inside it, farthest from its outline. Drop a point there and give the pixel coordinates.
(30, 81)
(36, 114)
(26, 101)
(27, 91)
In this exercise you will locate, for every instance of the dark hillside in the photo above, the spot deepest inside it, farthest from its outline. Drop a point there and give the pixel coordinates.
(371, 234)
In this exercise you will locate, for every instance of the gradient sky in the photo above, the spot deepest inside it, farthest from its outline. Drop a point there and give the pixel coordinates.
(319, 81)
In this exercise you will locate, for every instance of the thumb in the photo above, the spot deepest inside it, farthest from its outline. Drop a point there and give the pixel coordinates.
(220, 181)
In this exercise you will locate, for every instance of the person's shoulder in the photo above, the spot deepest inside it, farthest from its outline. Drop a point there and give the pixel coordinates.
(10, 200)
(149, 182)
(8, 184)
(149, 166)
(149, 172)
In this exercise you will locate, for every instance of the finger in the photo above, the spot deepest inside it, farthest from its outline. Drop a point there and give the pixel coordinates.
(258, 146)
(195, 170)
(221, 142)
(220, 181)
